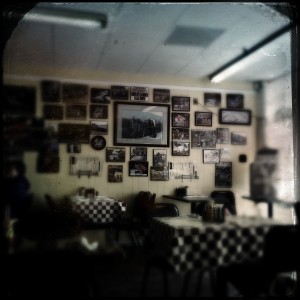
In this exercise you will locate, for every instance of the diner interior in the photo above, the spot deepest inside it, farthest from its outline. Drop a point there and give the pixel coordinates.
(158, 146)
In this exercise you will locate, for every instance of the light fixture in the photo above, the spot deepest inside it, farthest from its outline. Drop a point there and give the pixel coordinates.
(67, 17)
(240, 61)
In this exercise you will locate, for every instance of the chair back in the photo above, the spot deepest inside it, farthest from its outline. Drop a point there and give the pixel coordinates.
(165, 210)
(143, 205)
(225, 197)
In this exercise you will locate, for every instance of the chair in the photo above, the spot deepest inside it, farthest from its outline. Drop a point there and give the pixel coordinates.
(281, 255)
(154, 260)
(137, 217)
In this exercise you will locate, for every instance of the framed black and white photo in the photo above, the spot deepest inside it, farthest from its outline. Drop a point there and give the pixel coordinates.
(181, 120)
(238, 138)
(138, 168)
(138, 153)
(182, 134)
(98, 142)
(204, 138)
(211, 156)
(160, 158)
(100, 95)
(234, 116)
(161, 95)
(115, 154)
(212, 99)
(73, 148)
(141, 124)
(223, 175)
(159, 173)
(235, 100)
(119, 92)
(68, 133)
(138, 93)
(50, 90)
(98, 111)
(74, 93)
(53, 112)
(180, 103)
(180, 148)
(99, 127)
(203, 118)
(222, 135)
(115, 173)
(76, 112)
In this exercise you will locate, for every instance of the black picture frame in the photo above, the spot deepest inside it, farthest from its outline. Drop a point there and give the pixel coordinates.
(100, 95)
(211, 156)
(141, 124)
(115, 173)
(68, 133)
(98, 142)
(203, 118)
(235, 100)
(204, 138)
(181, 134)
(138, 93)
(159, 173)
(238, 138)
(115, 154)
(223, 175)
(180, 148)
(160, 158)
(99, 127)
(76, 112)
(50, 90)
(222, 135)
(212, 99)
(180, 103)
(138, 153)
(74, 93)
(53, 112)
(161, 95)
(234, 116)
(138, 168)
(98, 111)
(119, 92)
(181, 120)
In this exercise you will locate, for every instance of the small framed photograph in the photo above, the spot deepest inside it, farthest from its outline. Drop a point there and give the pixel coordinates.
(115, 154)
(222, 135)
(212, 99)
(235, 116)
(180, 103)
(68, 133)
(211, 156)
(161, 95)
(160, 157)
(181, 120)
(203, 118)
(100, 95)
(73, 148)
(99, 127)
(138, 153)
(159, 173)
(238, 138)
(98, 111)
(115, 173)
(235, 100)
(53, 112)
(50, 91)
(76, 112)
(204, 138)
(138, 168)
(180, 148)
(74, 93)
(119, 92)
(182, 134)
(138, 93)
(223, 175)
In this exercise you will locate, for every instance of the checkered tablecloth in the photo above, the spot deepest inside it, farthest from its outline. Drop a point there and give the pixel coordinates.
(189, 243)
(101, 210)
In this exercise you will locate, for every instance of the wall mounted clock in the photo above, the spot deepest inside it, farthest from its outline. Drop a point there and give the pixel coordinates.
(98, 142)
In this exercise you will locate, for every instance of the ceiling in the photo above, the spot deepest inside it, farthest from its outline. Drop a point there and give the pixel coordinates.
(190, 40)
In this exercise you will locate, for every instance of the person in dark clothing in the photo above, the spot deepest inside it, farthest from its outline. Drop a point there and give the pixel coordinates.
(16, 189)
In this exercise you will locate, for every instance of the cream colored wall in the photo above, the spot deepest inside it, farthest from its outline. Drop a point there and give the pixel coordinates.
(60, 184)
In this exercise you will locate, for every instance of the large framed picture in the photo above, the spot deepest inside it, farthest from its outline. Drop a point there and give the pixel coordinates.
(138, 168)
(211, 156)
(203, 118)
(235, 116)
(180, 103)
(141, 124)
(223, 175)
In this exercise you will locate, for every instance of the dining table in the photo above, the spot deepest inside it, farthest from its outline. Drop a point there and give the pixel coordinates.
(98, 209)
(189, 243)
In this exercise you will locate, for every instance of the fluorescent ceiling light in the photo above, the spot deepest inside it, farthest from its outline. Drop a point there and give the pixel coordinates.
(244, 59)
(67, 17)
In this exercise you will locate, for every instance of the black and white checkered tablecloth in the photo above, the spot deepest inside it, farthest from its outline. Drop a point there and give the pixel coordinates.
(99, 211)
(191, 244)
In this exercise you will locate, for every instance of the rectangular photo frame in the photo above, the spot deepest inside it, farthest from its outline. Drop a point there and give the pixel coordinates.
(203, 118)
(115, 154)
(212, 99)
(99, 127)
(223, 175)
(235, 100)
(159, 173)
(119, 92)
(222, 135)
(181, 120)
(211, 156)
(141, 124)
(76, 112)
(138, 153)
(180, 148)
(160, 158)
(74, 93)
(100, 95)
(204, 138)
(98, 111)
(138, 93)
(181, 103)
(138, 168)
(115, 173)
(238, 138)
(234, 116)
(181, 134)
(161, 95)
